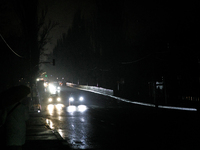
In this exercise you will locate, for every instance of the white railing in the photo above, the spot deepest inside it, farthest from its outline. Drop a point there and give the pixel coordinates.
(109, 93)
(91, 88)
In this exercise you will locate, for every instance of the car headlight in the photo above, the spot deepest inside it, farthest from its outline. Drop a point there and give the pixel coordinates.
(50, 99)
(51, 87)
(58, 99)
(71, 99)
(81, 98)
(58, 88)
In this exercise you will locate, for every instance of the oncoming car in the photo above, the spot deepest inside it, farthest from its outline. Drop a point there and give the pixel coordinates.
(76, 98)
(54, 88)
(54, 99)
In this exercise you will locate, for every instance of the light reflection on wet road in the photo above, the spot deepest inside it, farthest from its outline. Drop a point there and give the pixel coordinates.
(71, 122)
(96, 125)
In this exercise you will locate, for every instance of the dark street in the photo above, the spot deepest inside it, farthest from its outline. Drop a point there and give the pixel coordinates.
(122, 75)
(105, 123)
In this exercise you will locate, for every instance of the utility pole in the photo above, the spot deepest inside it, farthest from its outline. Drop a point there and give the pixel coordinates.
(154, 84)
(154, 93)
(165, 89)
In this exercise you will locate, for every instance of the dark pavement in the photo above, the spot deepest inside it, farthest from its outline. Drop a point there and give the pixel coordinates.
(110, 124)
(40, 136)
(164, 129)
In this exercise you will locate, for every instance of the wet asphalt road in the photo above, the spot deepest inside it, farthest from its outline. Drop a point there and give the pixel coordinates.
(104, 123)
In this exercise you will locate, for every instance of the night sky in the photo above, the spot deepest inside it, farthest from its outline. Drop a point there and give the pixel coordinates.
(63, 11)
(108, 43)
(139, 22)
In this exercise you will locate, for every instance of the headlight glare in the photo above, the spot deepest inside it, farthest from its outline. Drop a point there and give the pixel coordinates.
(71, 99)
(81, 98)
(50, 99)
(58, 99)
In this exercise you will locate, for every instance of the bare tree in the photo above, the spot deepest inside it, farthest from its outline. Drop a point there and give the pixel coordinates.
(44, 30)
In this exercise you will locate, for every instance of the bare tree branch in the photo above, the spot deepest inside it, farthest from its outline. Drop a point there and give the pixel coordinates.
(41, 20)
(44, 35)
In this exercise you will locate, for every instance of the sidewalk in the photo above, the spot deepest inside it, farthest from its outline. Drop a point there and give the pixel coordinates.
(39, 136)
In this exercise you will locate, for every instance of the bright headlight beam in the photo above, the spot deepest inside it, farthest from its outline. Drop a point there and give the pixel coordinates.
(82, 108)
(58, 99)
(50, 99)
(52, 88)
(71, 109)
(71, 99)
(59, 106)
(50, 107)
(81, 98)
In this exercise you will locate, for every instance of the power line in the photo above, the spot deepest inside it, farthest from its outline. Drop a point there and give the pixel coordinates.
(10, 47)
(130, 62)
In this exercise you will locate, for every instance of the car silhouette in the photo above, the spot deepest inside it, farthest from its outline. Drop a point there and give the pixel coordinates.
(76, 98)
(54, 99)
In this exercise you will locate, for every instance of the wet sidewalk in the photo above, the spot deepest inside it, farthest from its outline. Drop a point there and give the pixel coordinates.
(39, 136)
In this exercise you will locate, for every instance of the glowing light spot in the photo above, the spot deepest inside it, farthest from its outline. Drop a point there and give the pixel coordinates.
(50, 108)
(82, 108)
(50, 123)
(71, 109)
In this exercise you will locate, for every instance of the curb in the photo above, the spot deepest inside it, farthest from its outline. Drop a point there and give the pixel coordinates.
(54, 131)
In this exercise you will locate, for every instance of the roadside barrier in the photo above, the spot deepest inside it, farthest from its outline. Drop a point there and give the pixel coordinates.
(108, 92)
(91, 88)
